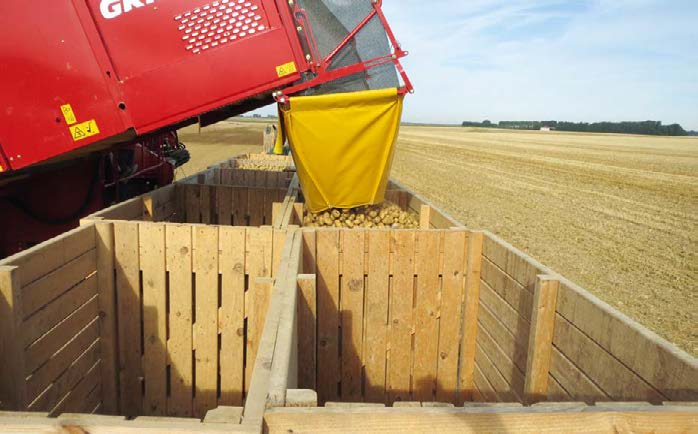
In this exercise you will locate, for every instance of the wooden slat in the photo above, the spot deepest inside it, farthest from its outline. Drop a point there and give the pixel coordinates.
(178, 253)
(483, 386)
(309, 252)
(152, 263)
(377, 303)
(401, 300)
(205, 265)
(513, 376)
(256, 206)
(67, 380)
(514, 350)
(49, 372)
(240, 206)
(427, 296)
(279, 238)
(193, 203)
(41, 350)
(451, 313)
(45, 319)
(489, 369)
(107, 318)
(575, 382)
(616, 380)
(508, 289)
(470, 314)
(328, 315)
(232, 316)
(129, 306)
(207, 204)
(42, 259)
(258, 305)
(41, 292)
(669, 370)
(425, 217)
(74, 399)
(540, 342)
(351, 313)
(92, 400)
(467, 421)
(307, 323)
(224, 202)
(13, 392)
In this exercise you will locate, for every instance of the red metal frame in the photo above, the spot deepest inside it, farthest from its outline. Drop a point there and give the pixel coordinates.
(320, 66)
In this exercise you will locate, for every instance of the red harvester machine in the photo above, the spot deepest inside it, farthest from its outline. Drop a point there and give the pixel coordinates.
(93, 91)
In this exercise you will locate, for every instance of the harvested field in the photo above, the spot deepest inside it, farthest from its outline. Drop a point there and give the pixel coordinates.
(616, 214)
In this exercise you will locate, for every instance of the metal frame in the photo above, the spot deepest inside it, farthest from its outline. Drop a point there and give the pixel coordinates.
(320, 66)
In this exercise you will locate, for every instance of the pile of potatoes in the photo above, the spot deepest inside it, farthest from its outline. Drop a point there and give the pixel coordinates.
(265, 165)
(384, 216)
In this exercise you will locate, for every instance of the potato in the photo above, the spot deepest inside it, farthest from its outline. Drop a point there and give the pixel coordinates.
(386, 215)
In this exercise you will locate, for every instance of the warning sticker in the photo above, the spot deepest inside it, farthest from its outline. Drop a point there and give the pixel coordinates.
(2, 169)
(68, 114)
(286, 69)
(84, 130)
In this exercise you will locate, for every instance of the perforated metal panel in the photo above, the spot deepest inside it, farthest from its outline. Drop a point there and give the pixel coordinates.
(219, 23)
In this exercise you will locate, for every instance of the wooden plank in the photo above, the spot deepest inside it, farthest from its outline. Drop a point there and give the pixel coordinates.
(107, 318)
(258, 299)
(56, 311)
(516, 324)
(540, 342)
(427, 305)
(502, 388)
(401, 301)
(425, 217)
(483, 387)
(514, 350)
(671, 371)
(466, 421)
(455, 244)
(470, 314)
(614, 378)
(205, 266)
(42, 291)
(377, 303)
(42, 259)
(297, 218)
(224, 203)
(328, 315)
(40, 351)
(256, 206)
(59, 362)
(232, 315)
(307, 323)
(351, 313)
(279, 238)
(13, 391)
(92, 400)
(309, 251)
(193, 203)
(575, 382)
(74, 399)
(67, 381)
(508, 289)
(129, 306)
(178, 253)
(241, 206)
(207, 204)
(513, 376)
(151, 239)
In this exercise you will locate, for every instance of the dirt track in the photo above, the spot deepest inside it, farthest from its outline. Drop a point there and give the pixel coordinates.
(616, 214)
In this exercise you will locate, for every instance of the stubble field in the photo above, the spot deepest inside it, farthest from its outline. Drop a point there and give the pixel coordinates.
(616, 214)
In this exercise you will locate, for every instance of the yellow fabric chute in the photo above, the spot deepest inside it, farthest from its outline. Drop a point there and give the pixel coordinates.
(343, 146)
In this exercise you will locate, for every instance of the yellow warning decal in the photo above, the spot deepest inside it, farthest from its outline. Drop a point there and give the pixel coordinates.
(68, 114)
(84, 130)
(286, 69)
(2, 169)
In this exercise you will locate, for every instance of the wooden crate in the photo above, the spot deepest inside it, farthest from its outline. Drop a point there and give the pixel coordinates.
(381, 319)
(200, 203)
(136, 318)
(456, 316)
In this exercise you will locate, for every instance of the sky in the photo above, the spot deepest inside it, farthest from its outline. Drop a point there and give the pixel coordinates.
(587, 60)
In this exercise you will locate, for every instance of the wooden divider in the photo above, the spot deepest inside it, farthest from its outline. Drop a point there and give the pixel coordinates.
(190, 313)
(252, 178)
(598, 354)
(50, 327)
(387, 308)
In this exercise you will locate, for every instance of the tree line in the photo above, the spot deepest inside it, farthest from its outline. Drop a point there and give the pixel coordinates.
(651, 128)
